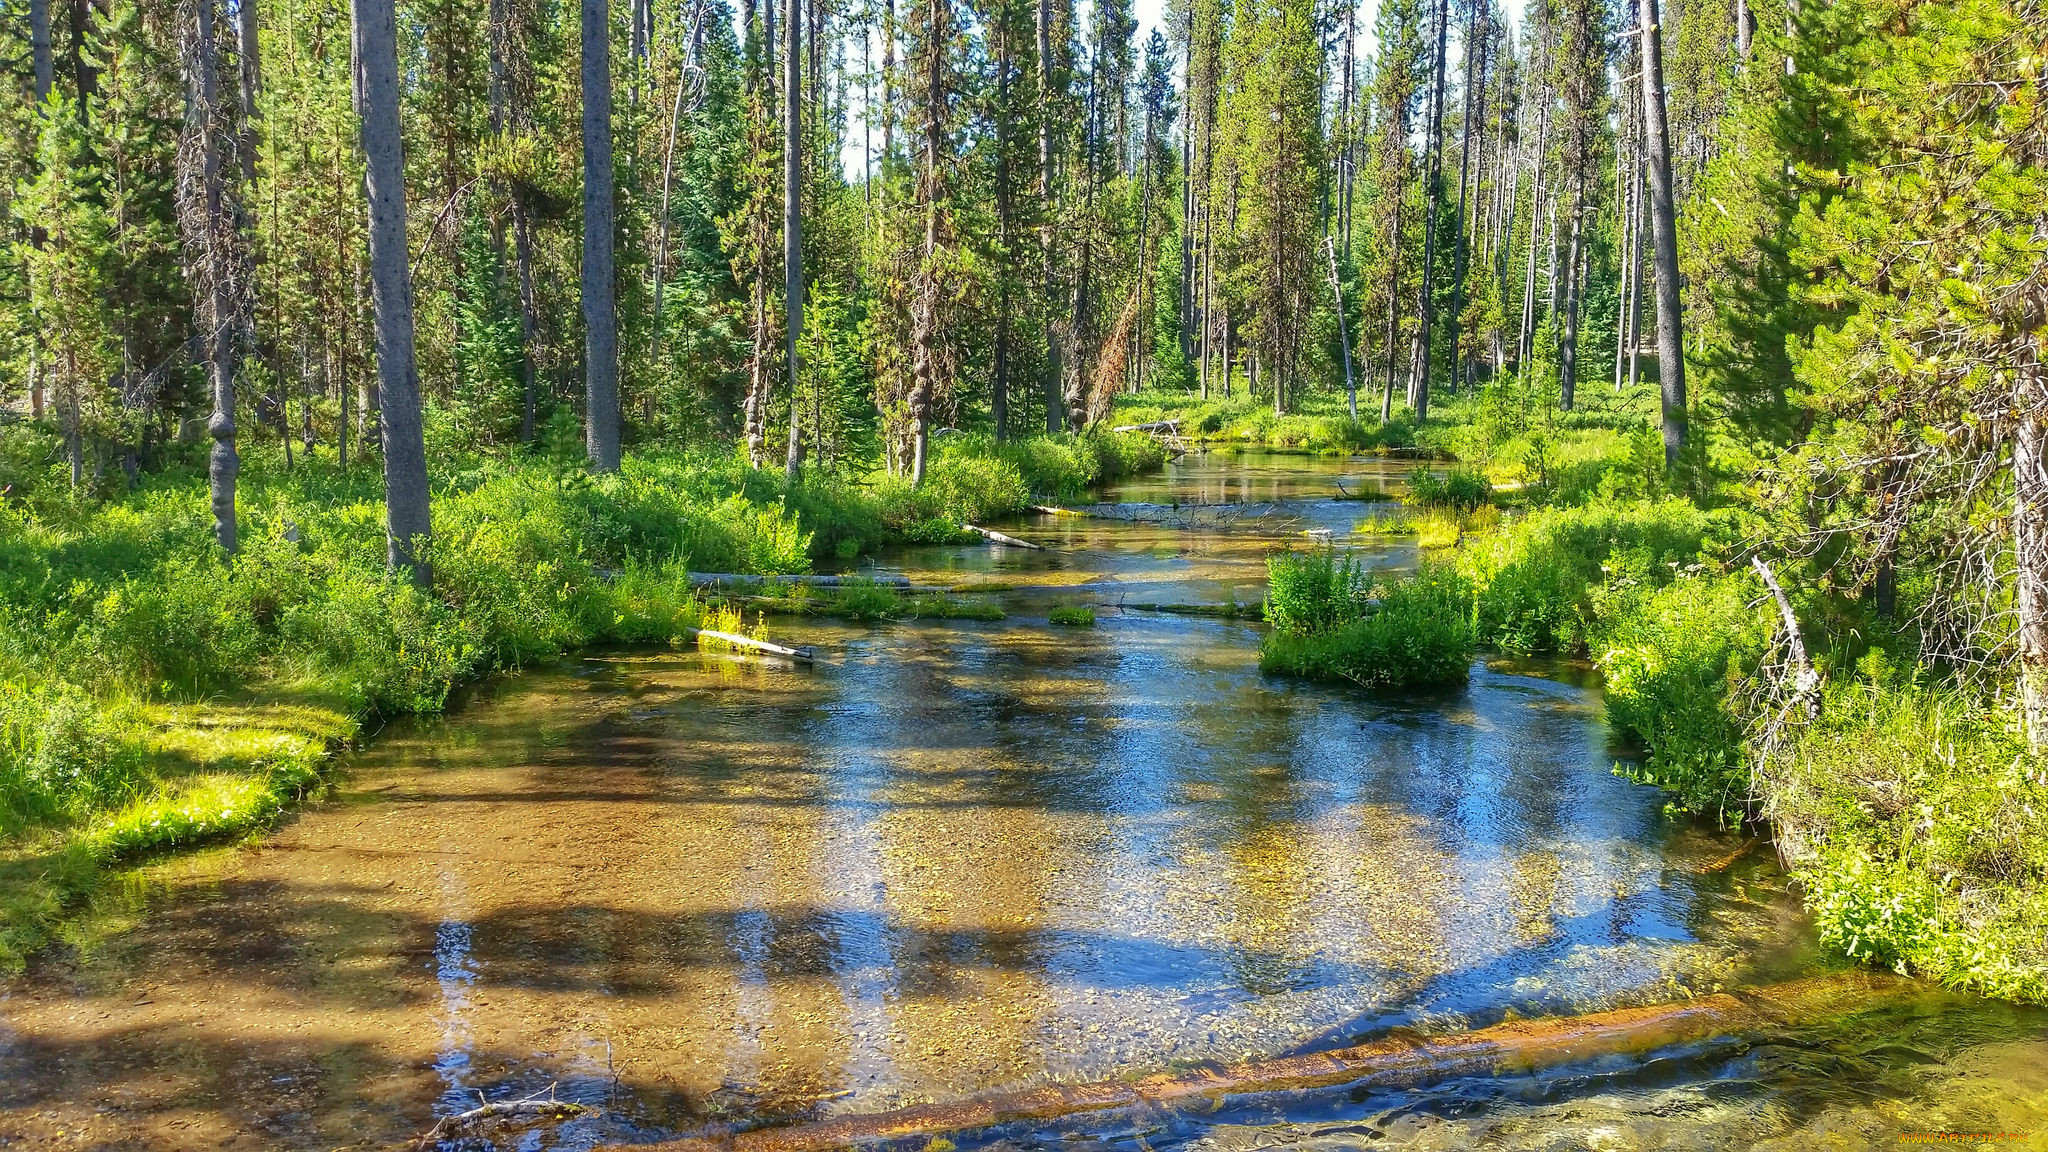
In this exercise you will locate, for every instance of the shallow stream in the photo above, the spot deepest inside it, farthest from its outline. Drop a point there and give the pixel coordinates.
(953, 858)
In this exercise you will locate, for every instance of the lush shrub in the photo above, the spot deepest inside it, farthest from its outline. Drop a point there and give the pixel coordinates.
(1461, 488)
(1916, 821)
(1673, 658)
(1536, 578)
(1309, 593)
(1417, 632)
(971, 488)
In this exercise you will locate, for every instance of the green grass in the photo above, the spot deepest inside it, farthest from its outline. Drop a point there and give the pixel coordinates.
(1332, 621)
(1072, 615)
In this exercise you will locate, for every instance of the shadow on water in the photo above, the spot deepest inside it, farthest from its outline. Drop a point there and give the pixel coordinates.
(950, 859)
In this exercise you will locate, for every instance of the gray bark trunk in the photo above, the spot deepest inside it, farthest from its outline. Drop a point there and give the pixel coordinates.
(252, 83)
(600, 314)
(792, 223)
(406, 513)
(39, 47)
(1568, 348)
(1663, 233)
(223, 464)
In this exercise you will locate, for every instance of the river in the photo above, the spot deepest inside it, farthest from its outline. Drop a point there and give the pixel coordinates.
(694, 890)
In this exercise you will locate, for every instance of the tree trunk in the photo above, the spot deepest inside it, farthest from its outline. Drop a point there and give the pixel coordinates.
(600, 312)
(1663, 233)
(1418, 378)
(793, 223)
(39, 48)
(1474, 63)
(1048, 206)
(223, 463)
(1393, 306)
(251, 83)
(1525, 344)
(1568, 347)
(2030, 547)
(46, 76)
(999, 382)
(406, 512)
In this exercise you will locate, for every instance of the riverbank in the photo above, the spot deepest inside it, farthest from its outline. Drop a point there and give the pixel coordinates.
(155, 697)
(1511, 432)
(1902, 799)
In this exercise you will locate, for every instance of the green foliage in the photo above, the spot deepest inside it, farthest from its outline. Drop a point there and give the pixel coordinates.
(1417, 631)
(1462, 488)
(1310, 593)
(1536, 579)
(1916, 820)
(1673, 658)
(1076, 615)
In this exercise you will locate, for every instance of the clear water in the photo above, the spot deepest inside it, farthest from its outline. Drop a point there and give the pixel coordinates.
(960, 857)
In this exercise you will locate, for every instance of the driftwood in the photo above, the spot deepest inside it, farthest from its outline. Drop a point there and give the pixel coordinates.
(1156, 426)
(1516, 1048)
(996, 537)
(530, 1108)
(804, 654)
(1051, 510)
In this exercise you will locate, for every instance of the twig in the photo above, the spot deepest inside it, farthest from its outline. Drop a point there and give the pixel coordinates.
(534, 1106)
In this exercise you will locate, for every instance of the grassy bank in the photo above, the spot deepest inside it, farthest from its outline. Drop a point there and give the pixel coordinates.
(1909, 810)
(156, 695)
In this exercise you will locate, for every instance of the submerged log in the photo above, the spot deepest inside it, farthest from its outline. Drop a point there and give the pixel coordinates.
(1053, 510)
(996, 537)
(1219, 611)
(1516, 1048)
(804, 654)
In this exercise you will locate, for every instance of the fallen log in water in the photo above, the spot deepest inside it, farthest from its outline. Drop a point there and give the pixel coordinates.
(1052, 510)
(1514, 1049)
(1155, 426)
(996, 537)
(1219, 611)
(804, 654)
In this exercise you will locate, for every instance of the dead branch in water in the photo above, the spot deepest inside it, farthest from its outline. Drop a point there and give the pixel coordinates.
(804, 654)
(533, 1107)
(996, 537)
